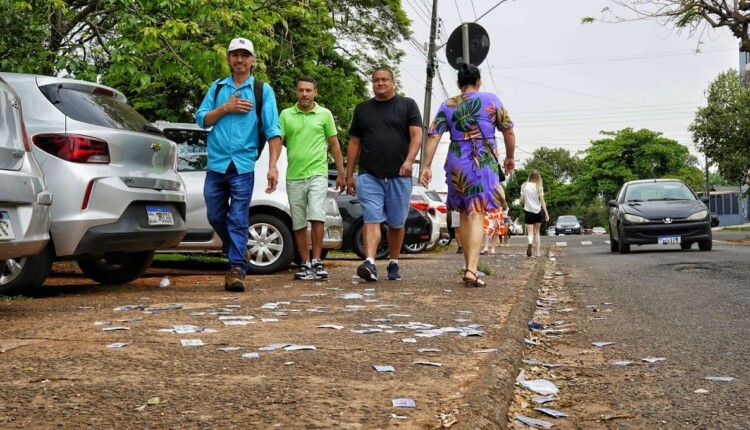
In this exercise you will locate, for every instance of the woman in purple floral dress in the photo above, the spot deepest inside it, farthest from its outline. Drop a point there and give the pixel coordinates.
(471, 166)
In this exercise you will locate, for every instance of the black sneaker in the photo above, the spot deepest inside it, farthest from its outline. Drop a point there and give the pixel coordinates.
(393, 274)
(460, 250)
(320, 271)
(367, 271)
(304, 273)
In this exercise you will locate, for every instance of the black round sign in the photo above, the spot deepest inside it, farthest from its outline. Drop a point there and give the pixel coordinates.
(479, 45)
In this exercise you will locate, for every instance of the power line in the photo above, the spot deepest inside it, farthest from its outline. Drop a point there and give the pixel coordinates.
(458, 10)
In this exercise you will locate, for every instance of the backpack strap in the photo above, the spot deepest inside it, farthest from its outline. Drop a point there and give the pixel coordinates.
(219, 85)
(258, 92)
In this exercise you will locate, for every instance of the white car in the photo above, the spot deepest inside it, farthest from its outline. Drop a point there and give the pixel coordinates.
(25, 258)
(271, 239)
(429, 201)
(117, 194)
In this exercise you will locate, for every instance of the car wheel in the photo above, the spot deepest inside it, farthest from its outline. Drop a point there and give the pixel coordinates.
(432, 245)
(270, 244)
(622, 247)
(706, 245)
(117, 268)
(358, 244)
(26, 274)
(686, 245)
(414, 248)
(445, 241)
(612, 243)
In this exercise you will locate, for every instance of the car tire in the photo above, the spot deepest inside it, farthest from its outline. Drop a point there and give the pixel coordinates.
(445, 241)
(612, 243)
(686, 245)
(706, 245)
(270, 243)
(358, 244)
(117, 268)
(414, 248)
(27, 274)
(622, 247)
(431, 246)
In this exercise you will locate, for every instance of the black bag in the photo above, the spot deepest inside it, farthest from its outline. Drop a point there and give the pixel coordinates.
(258, 92)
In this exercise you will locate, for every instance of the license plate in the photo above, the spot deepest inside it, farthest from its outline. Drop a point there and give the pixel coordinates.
(6, 229)
(666, 240)
(158, 215)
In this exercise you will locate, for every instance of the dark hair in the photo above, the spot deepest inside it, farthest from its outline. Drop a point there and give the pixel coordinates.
(468, 74)
(309, 79)
(383, 69)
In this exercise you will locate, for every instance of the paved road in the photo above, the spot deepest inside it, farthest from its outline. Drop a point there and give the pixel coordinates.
(690, 307)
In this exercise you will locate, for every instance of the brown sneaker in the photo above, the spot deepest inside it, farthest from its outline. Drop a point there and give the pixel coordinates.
(234, 280)
(528, 251)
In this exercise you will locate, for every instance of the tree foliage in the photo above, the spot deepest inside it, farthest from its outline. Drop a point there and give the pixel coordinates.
(693, 16)
(722, 128)
(163, 54)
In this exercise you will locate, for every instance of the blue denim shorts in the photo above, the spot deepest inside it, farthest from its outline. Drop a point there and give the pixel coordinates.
(384, 199)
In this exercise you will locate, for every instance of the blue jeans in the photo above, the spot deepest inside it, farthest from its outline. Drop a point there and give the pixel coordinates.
(227, 197)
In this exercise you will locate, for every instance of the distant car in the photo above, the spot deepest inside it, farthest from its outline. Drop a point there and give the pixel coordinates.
(118, 196)
(598, 230)
(271, 240)
(25, 258)
(551, 231)
(714, 219)
(567, 224)
(429, 201)
(417, 228)
(658, 211)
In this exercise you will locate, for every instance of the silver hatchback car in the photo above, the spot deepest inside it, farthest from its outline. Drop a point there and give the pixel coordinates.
(271, 240)
(118, 196)
(25, 258)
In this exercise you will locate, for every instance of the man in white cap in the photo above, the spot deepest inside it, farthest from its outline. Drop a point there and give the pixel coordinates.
(233, 147)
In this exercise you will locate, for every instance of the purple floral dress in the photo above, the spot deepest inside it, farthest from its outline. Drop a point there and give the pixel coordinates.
(471, 167)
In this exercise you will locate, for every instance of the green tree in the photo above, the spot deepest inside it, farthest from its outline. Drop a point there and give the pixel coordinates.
(722, 127)
(692, 16)
(164, 54)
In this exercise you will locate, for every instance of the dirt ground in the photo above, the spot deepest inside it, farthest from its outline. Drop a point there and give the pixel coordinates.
(57, 371)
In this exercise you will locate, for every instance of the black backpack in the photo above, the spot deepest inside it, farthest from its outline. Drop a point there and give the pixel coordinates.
(258, 91)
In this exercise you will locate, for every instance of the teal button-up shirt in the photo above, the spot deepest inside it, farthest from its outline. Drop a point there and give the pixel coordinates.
(234, 137)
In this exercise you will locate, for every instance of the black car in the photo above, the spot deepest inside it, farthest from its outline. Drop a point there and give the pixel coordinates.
(416, 229)
(567, 224)
(658, 211)
(714, 220)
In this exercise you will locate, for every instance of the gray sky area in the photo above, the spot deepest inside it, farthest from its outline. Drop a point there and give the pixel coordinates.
(563, 81)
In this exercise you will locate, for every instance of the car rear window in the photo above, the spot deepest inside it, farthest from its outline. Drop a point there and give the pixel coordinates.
(95, 107)
(191, 148)
(567, 219)
(433, 195)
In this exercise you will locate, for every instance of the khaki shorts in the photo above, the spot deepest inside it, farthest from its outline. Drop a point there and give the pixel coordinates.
(307, 200)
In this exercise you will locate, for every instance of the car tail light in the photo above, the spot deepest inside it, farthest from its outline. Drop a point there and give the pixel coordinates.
(419, 205)
(431, 211)
(442, 209)
(77, 149)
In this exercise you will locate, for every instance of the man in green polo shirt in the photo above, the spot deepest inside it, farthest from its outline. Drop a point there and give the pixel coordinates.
(309, 131)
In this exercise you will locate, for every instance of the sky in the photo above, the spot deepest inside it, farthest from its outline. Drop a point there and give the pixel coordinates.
(563, 81)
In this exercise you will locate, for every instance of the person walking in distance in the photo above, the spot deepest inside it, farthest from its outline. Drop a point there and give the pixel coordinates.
(471, 165)
(230, 107)
(532, 199)
(309, 132)
(385, 136)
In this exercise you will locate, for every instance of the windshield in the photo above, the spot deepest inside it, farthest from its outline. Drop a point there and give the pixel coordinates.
(654, 191)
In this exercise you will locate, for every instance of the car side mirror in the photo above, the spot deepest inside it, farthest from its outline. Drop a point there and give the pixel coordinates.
(612, 203)
(704, 199)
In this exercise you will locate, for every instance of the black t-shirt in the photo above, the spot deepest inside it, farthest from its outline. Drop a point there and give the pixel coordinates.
(383, 129)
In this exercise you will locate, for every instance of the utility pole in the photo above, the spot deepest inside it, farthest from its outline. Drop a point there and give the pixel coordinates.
(428, 84)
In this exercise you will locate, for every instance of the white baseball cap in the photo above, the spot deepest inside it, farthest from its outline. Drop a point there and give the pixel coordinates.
(241, 43)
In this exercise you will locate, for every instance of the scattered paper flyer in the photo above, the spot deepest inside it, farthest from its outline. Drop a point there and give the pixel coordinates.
(333, 326)
(273, 346)
(719, 378)
(622, 363)
(229, 348)
(602, 344)
(552, 412)
(251, 355)
(115, 328)
(191, 342)
(382, 369)
(426, 350)
(117, 345)
(428, 363)
(533, 422)
(485, 351)
(299, 347)
(653, 359)
(409, 340)
(237, 322)
(541, 386)
(543, 400)
(403, 403)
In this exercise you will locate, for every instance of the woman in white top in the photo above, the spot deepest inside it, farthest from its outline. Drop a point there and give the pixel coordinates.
(532, 198)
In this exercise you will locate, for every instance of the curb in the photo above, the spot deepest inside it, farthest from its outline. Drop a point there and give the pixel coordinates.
(497, 382)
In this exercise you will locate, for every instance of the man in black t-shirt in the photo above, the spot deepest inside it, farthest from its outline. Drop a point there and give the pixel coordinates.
(385, 136)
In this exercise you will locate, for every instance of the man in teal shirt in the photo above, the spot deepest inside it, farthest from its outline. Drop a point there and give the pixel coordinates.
(309, 132)
(232, 150)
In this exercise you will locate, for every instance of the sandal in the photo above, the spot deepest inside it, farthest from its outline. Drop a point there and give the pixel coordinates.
(475, 282)
(484, 252)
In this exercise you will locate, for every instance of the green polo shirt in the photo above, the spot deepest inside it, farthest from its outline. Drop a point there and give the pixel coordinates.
(306, 136)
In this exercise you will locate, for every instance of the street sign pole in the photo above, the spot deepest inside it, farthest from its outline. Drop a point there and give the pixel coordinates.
(428, 84)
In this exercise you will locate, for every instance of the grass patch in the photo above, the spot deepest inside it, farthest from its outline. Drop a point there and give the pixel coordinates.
(192, 258)
(742, 228)
(6, 299)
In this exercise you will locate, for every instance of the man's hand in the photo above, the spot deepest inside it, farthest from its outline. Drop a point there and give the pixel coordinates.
(237, 105)
(351, 186)
(273, 179)
(341, 182)
(426, 176)
(405, 170)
